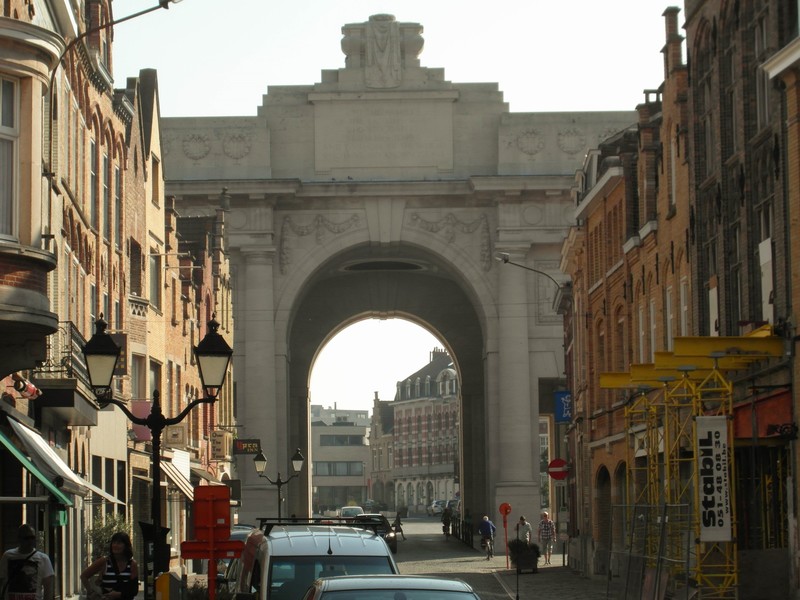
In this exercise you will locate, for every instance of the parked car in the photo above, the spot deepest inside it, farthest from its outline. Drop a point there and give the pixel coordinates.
(380, 524)
(373, 506)
(390, 587)
(436, 508)
(281, 559)
(350, 511)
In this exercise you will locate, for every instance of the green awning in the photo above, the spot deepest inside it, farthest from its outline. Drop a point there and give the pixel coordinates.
(33, 469)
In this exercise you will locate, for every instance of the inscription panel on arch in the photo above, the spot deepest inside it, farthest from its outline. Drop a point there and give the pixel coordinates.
(383, 134)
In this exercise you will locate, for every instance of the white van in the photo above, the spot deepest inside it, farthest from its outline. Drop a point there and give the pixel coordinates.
(282, 559)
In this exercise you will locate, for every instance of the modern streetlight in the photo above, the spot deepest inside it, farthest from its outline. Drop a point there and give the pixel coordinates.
(213, 357)
(261, 465)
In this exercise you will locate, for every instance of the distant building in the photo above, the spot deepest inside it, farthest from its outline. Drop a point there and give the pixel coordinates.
(339, 446)
(425, 435)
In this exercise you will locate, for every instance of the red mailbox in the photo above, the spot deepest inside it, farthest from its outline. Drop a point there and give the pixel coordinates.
(212, 525)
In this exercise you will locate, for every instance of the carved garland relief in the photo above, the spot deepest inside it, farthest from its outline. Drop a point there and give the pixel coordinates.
(235, 144)
(533, 141)
(450, 224)
(319, 226)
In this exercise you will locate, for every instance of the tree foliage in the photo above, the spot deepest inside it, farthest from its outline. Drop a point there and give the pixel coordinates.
(103, 527)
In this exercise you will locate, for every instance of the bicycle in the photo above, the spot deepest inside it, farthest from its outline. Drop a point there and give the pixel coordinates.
(488, 541)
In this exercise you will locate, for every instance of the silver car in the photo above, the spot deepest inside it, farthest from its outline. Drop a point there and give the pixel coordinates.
(390, 587)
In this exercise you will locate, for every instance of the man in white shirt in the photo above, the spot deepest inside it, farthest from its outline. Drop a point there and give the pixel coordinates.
(25, 572)
(525, 531)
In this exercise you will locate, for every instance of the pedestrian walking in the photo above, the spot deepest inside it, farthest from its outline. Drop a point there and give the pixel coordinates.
(25, 572)
(118, 571)
(547, 535)
(524, 531)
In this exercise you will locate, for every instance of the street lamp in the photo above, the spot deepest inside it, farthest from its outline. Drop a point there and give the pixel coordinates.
(50, 173)
(161, 4)
(504, 258)
(213, 357)
(260, 462)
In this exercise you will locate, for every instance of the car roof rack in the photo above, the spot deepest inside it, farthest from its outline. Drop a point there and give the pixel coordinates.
(266, 524)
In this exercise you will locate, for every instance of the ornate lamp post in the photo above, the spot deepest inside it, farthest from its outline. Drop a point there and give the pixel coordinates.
(261, 465)
(213, 357)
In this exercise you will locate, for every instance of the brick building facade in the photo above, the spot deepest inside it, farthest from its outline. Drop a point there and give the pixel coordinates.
(88, 231)
(704, 253)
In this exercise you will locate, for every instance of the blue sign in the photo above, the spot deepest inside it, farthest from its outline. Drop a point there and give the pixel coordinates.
(563, 412)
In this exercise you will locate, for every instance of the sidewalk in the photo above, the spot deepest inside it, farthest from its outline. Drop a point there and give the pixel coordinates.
(551, 581)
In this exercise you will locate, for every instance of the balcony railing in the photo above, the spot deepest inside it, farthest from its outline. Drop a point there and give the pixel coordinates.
(64, 355)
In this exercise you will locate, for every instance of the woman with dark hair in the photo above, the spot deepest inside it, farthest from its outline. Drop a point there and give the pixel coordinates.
(119, 571)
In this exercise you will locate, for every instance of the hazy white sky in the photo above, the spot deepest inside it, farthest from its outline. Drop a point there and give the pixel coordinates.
(218, 57)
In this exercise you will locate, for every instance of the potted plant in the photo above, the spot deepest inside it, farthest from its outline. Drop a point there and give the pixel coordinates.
(524, 556)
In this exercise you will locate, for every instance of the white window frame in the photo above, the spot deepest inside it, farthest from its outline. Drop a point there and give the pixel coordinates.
(9, 215)
(653, 330)
(684, 300)
(670, 318)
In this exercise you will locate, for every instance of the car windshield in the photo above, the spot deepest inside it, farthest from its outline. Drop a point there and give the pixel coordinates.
(397, 595)
(291, 575)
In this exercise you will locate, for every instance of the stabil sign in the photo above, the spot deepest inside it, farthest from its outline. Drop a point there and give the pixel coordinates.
(713, 467)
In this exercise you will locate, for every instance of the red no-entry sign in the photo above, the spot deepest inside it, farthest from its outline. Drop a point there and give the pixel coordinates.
(558, 469)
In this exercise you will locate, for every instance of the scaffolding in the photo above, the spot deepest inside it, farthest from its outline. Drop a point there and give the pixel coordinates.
(678, 421)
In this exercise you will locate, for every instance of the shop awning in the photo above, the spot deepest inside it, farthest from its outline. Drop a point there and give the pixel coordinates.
(33, 470)
(51, 464)
(203, 474)
(179, 479)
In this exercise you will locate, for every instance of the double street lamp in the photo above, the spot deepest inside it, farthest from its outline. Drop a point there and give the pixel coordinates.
(261, 466)
(213, 357)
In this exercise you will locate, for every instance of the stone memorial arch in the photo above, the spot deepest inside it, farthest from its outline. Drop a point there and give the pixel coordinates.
(386, 191)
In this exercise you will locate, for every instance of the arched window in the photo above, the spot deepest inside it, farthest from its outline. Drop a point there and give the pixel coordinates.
(428, 386)
(416, 388)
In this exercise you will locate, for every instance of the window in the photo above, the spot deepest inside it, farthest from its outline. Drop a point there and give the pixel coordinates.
(762, 77)
(93, 303)
(93, 184)
(155, 281)
(653, 321)
(669, 314)
(684, 307)
(117, 207)
(135, 277)
(673, 172)
(156, 175)
(106, 198)
(341, 440)
(137, 378)
(338, 468)
(641, 333)
(9, 133)
(155, 377)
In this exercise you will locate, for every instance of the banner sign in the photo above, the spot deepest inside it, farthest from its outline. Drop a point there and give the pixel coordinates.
(563, 412)
(713, 455)
(246, 446)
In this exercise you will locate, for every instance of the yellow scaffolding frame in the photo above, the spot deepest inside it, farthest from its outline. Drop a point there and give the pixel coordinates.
(661, 422)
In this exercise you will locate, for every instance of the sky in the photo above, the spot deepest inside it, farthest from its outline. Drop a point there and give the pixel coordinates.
(218, 58)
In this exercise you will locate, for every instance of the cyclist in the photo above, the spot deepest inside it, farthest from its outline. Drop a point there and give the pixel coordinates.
(487, 529)
(447, 517)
